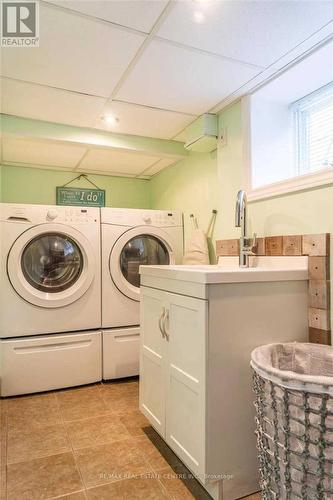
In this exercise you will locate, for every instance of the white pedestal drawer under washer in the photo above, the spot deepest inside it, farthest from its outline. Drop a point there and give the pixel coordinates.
(50, 269)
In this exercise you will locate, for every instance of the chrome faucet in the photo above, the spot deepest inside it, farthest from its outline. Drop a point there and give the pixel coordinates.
(246, 245)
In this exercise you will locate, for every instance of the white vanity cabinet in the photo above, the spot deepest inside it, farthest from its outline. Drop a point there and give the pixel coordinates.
(198, 329)
(172, 392)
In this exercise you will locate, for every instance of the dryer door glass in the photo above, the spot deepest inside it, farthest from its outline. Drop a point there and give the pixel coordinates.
(52, 262)
(142, 250)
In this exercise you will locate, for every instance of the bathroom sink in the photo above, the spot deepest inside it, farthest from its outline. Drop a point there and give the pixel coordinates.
(266, 262)
(228, 271)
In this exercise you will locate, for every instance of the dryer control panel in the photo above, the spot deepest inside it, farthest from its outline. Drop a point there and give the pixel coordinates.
(161, 218)
(133, 217)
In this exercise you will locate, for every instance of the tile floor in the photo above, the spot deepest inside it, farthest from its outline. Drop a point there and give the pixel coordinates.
(87, 443)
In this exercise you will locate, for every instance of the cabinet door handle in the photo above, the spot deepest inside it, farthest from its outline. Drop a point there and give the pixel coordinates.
(160, 321)
(165, 320)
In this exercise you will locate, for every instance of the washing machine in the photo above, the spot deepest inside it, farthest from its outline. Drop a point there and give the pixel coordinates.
(50, 297)
(131, 238)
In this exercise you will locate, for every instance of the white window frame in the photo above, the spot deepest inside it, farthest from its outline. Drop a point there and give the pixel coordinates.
(298, 183)
(300, 109)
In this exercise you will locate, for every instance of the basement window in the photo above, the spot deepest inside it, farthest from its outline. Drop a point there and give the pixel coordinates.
(314, 131)
(289, 125)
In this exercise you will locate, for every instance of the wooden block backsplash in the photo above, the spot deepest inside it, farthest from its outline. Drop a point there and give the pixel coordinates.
(316, 244)
(273, 245)
(319, 268)
(319, 336)
(319, 318)
(227, 247)
(292, 245)
(319, 294)
(317, 247)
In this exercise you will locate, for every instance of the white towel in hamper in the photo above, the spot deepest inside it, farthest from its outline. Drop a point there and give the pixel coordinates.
(197, 249)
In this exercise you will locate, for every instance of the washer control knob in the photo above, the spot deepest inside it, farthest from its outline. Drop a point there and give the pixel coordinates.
(146, 219)
(52, 214)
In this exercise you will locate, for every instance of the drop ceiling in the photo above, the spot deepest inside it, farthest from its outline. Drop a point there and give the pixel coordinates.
(155, 65)
(57, 155)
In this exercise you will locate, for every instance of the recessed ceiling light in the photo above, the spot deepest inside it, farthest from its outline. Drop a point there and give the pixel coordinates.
(199, 17)
(110, 120)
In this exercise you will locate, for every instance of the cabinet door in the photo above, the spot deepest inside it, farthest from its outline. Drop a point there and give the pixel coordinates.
(186, 327)
(152, 357)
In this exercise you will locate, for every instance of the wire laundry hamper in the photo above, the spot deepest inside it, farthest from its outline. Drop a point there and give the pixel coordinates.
(293, 384)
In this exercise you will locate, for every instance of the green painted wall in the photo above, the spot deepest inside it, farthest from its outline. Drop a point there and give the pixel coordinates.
(197, 184)
(229, 170)
(308, 211)
(190, 186)
(201, 183)
(33, 185)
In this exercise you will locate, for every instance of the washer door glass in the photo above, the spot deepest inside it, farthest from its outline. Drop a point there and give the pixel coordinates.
(142, 250)
(52, 262)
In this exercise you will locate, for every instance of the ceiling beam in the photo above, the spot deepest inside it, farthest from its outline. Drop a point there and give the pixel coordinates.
(16, 126)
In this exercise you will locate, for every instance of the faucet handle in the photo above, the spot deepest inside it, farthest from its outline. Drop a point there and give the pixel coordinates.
(254, 240)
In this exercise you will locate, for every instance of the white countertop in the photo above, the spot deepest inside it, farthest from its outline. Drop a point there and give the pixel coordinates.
(228, 271)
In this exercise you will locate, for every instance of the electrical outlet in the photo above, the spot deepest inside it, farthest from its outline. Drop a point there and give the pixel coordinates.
(223, 136)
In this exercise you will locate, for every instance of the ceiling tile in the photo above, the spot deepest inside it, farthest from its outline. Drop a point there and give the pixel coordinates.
(75, 53)
(258, 32)
(160, 165)
(48, 104)
(144, 121)
(176, 78)
(112, 161)
(311, 73)
(316, 41)
(36, 153)
(140, 15)
(312, 68)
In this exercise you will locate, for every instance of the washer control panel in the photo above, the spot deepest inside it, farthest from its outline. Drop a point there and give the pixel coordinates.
(147, 219)
(38, 214)
(52, 214)
(77, 214)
